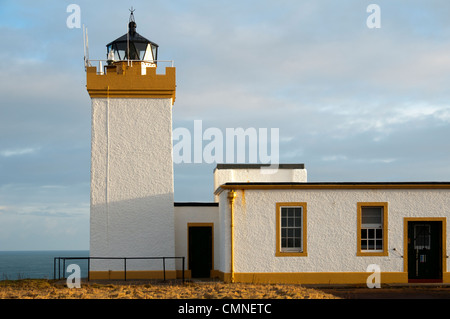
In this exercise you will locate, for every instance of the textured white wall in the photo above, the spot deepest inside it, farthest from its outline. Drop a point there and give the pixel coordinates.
(331, 228)
(132, 196)
(244, 175)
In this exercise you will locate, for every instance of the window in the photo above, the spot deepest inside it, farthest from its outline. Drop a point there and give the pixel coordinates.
(422, 236)
(372, 229)
(291, 229)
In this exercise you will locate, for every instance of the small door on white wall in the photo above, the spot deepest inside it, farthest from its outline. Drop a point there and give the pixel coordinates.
(425, 251)
(200, 254)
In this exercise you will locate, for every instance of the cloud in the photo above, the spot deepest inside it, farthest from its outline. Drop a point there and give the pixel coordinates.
(351, 103)
(18, 152)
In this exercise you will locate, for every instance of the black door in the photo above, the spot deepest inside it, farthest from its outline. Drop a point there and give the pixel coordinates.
(425, 250)
(200, 251)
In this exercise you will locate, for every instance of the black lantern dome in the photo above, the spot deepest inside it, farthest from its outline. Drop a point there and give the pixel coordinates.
(132, 46)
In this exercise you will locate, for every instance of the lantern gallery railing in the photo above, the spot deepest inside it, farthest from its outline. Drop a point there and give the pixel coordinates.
(57, 264)
(102, 63)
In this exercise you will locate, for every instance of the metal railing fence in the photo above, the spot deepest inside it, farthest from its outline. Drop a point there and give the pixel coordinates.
(57, 264)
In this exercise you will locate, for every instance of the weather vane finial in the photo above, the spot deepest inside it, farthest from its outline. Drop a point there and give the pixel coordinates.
(131, 14)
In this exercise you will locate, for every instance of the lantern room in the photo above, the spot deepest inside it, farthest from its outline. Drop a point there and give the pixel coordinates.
(132, 47)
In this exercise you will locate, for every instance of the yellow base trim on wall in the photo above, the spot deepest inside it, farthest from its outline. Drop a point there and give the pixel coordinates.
(215, 274)
(316, 278)
(446, 277)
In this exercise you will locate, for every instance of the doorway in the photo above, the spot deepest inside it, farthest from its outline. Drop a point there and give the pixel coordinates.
(200, 250)
(424, 250)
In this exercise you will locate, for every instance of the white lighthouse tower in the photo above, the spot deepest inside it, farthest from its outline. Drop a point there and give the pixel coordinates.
(132, 192)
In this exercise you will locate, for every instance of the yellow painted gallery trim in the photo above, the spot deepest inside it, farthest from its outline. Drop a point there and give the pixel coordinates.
(126, 81)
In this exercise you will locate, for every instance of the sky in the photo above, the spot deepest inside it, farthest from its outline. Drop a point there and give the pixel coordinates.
(352, 103)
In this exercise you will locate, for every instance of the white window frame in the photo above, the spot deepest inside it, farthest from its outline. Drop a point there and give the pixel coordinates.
(291, 251)
(299, 237)
(374, 228)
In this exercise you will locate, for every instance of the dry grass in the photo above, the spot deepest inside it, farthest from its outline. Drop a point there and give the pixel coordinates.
(49, 289)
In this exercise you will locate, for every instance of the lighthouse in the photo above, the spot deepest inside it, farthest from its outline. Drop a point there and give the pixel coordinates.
(132, 190)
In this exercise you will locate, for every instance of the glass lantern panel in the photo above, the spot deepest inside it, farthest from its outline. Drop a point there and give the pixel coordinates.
(133, 53)
(155, 52)
(140, 49)
(148, 55)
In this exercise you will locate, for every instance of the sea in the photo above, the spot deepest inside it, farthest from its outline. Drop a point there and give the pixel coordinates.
(41, 264)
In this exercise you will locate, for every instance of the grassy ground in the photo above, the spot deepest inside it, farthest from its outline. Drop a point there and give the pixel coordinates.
(50, 289)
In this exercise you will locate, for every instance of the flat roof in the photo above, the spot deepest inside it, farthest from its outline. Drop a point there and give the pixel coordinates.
(196, 204)
(255, 166)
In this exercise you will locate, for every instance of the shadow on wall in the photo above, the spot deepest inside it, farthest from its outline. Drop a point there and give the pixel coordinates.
(137, 227)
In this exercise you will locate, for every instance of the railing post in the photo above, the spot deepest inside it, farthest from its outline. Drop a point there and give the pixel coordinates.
(89, 269)
(125, 268)
(164, 268)
(183, 269)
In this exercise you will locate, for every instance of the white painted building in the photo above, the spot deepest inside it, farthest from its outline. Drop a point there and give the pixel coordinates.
(132, 192)
(331, 232)
(261, 227)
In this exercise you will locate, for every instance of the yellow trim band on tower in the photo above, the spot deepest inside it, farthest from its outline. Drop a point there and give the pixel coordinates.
(127, 81)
